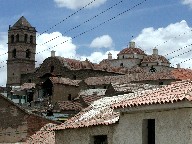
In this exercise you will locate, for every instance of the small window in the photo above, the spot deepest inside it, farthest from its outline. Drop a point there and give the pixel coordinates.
(14, 53)
(17, 38)
(31, 39)
(69, 97)
(74, 77)
(123, 57)
(160, 83)
(26, 37)
(29, 80)
(148, 131)
(121, 65)
(28, 53)
(52, 69)
(146, 64)
(12, 39)
(105, 87)
(100, 139)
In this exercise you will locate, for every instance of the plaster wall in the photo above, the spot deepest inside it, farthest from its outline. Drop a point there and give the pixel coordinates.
(171, 127)
(84, 135)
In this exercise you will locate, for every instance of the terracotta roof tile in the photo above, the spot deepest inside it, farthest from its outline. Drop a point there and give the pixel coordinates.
(155, 58)
(69, 105)
(45, 135)
(64, 81)
(132, 51)
(177, 91)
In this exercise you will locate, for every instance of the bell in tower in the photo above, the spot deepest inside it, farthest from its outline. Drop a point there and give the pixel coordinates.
(21, 51)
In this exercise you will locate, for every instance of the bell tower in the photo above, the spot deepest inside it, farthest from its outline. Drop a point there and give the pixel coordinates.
(21, 51)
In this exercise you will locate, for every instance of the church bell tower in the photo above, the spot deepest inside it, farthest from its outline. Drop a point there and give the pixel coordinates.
(21, 51)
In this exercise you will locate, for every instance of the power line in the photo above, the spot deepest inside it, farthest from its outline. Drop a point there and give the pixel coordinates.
(112, 18)
(88, 20)
(68, 17)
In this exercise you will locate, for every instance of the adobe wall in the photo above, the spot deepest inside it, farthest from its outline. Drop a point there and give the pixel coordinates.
(171, 127)
(61, 92)
(83, 135)
(16, 125)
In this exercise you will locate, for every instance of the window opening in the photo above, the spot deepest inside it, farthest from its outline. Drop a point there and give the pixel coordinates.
(52, 69)
(12, 38)
(17, 38)
(69, 97)
(148, 133)
(121, 65)
(31, 39)
(14, 53)
(100, 139)
(26, 37)
(28, 53)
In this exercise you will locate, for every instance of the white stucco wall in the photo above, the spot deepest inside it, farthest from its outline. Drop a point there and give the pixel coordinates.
(171, 127)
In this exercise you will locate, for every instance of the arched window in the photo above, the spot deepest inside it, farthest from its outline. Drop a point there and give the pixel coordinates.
(31, 39)
(12, 38)
(52, 69)
(26, 37)
(14, 53)
(28, 53)
(17, 38)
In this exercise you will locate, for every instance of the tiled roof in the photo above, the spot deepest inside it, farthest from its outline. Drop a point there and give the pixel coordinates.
(155, 58)
(133, 87)
(45, 135)
(92, 92)
(88, 99)
(69, 105)
(101, 112)
(174, 74)
(77, 65)
(132, 51)
(27, 86)
(177, 91)
(64, 81)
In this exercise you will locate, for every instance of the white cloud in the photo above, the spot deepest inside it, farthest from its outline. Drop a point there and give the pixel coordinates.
(167, 40)
(66, 49)
(187, 2)
(76, 4)
(3, 58)
(97, 57)
(104, 41)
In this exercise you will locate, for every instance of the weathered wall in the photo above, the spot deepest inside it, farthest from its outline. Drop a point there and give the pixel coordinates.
(171, 127)
(84, 135)
(15, 124)
(61, 92)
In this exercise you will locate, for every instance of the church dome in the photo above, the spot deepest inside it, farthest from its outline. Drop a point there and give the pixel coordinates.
(132, 51)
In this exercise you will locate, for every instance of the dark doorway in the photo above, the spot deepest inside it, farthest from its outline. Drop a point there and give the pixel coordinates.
(47, 88)
(100, 139)
(148, 131)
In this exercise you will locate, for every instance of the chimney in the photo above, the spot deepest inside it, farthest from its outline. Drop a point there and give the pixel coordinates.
(52, 53)
(131, 44)
(155, 51)
(178, 65)
(109, 56)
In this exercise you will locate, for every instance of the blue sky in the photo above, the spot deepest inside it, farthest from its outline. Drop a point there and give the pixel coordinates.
(152, 23)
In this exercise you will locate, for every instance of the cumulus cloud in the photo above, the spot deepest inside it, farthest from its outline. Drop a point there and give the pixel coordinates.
(104, 41)
(3, 58)
(76, 4)
(187, 2)
(63, 46)
(97, 57)
(168, 39)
